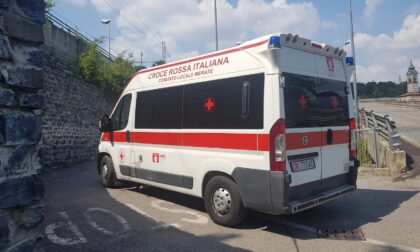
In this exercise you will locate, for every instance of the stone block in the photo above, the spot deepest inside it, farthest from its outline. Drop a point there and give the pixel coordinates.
(5, 49)
(31, 100)
(4, 3)
(34, 9)
(29, 243)
(7, 97)
(23, 159)
(4, 229)
(30, 216)
(18, 129)
(20, 191)
(22, 29)
(28, 55)
(23, 77)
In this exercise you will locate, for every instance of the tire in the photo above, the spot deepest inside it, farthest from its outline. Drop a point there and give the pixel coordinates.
(223, 201)
(108, 177)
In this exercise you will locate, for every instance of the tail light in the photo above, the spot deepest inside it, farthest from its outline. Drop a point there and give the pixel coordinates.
(352, 143)
(278, 146)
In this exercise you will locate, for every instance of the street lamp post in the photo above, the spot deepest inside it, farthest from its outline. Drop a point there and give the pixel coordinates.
(108, 22)
(215, 25)
(356, 98)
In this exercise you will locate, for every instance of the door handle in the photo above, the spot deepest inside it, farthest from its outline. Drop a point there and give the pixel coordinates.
(127, 136)
(329, 136)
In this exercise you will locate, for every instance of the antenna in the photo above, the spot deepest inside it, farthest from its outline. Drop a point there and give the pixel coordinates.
(163, 51)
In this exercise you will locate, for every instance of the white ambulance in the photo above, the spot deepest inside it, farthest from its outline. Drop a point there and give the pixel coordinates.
(267, 125)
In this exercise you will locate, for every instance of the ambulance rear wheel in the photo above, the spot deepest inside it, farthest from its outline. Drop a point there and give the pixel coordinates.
(108, 176)
(223, 201)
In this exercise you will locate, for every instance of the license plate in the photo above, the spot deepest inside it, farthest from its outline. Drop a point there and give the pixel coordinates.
(302, 165)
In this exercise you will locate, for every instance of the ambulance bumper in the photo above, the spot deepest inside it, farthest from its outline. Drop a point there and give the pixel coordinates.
(320, 198)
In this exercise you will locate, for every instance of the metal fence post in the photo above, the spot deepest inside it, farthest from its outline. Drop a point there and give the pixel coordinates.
(375, 135)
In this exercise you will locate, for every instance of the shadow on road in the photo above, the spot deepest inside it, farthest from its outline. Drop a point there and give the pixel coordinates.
(81, 216)
(349, 212)
(77, 189)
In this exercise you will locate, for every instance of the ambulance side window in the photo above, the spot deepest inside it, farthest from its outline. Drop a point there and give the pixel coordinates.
(121, 114)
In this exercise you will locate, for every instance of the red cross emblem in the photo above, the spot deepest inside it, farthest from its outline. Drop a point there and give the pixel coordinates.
(209, 104)
(302, 101)
(334, 102)
(121, 156)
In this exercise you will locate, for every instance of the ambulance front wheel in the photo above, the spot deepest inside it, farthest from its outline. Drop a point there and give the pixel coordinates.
(108, 176)
(223, 201)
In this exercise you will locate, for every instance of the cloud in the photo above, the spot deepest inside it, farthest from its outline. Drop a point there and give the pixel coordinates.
(187, 26)
(384, 57)
(370, 10)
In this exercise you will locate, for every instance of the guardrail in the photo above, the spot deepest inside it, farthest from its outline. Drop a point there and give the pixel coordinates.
(61, 24)
(381, 125)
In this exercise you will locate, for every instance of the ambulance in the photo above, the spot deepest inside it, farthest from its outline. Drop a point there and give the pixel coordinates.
(267, 125)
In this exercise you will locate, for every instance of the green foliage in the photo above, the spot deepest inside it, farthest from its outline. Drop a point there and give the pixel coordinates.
(362, 152)
(49, 4)
(380, 89)
(97, 70)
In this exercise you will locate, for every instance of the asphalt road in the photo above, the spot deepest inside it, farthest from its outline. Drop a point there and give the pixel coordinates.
(83, 216)
(406, 118)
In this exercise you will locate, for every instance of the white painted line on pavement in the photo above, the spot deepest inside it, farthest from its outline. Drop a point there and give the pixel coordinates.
(199, 219)
(53, 237)
(161, 225)
(166, 226)
(121, 220)
(133, 207)
(391, 245)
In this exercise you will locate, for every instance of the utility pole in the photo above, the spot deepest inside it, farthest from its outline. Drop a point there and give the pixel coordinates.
(141, 59)
(356, 98)
(163, 51)
(215, 25)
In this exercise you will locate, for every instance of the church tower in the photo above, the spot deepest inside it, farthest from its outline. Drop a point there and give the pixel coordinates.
(412, 81)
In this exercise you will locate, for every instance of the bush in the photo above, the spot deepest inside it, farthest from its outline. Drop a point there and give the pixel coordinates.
(109, 76)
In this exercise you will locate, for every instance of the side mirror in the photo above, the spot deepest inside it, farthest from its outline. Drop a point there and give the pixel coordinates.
(105, 124)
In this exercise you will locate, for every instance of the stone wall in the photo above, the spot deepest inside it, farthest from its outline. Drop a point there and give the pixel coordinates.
(21, 81)
(71, 113)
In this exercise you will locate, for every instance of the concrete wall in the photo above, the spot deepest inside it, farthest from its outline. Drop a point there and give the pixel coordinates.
(21, 81)
(395, 161)
(61, 42)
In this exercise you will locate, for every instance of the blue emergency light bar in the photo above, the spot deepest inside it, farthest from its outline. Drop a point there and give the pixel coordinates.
(350, 61)
(274, 42)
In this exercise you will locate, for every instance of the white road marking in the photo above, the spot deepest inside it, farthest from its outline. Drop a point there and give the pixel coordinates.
(391, 245)
(199, 219)
(166, 226)
(53, 237)
(133, 207)
(121, 220)
(161, 225)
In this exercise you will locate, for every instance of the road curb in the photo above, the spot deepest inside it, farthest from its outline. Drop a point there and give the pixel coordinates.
(410, 141)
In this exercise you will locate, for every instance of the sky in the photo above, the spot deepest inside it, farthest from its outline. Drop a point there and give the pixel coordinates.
(387, 32)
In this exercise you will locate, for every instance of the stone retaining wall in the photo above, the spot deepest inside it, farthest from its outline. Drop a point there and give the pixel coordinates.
(71, 113)
(21, 84)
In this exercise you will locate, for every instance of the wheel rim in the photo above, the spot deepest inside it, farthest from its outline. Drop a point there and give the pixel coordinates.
(104, 171)
(222, 201)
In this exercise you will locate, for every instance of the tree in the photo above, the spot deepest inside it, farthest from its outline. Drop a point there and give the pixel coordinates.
(109, 76)
(49, 4)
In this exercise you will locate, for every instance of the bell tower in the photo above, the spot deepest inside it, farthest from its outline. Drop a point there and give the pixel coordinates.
(412, 81)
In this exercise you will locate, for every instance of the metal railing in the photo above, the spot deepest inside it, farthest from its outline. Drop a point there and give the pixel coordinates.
(382, 125)
(61, 24)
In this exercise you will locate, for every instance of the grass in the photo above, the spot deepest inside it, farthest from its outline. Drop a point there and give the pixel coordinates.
(362, 152)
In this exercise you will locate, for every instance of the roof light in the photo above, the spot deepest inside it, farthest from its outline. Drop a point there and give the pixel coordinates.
(316, 46)
(350, 61)
(274, 42)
